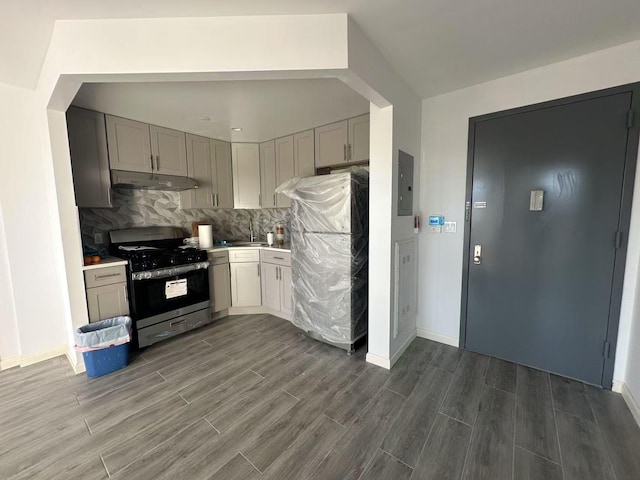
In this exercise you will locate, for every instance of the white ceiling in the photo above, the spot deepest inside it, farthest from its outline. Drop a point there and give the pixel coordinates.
(264, 109)
(436, 45)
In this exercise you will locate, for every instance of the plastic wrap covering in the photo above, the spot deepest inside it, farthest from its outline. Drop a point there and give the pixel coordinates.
(169, 272)
(330, 253)
(103, 334)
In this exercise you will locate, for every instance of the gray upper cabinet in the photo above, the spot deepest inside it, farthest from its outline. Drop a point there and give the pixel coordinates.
(199, 167)
(358, 147)
(284, 167)
(89, 158)
(343, 142)
(331, 144)
(169, 151)
(223, 174)
(246, 175)
(304, 154)
(268, 181)
(129, 145)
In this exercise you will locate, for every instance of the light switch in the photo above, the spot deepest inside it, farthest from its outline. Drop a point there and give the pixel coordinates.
(435, 228)
(450, 227)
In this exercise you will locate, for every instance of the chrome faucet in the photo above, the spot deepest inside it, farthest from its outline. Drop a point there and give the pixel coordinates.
(252, 235)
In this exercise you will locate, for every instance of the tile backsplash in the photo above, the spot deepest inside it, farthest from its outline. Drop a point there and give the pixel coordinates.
(149, 208)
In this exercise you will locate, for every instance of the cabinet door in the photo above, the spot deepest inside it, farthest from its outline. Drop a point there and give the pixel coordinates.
(246, 175)
(284, 167)
(198, 168)
(331, 144)
(220, 286)
(270, 286)
(89, 158)
(268, 180)
(169, 151)
(108, 301)
(304, 154)
(358, 150)
(129, 145)
(286, 300)
(245, 285)
(222, 171)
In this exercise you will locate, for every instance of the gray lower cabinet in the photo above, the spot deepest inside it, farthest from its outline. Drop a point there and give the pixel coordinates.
(106, 293)
(108, 301)
(219, 281)
(276, 281)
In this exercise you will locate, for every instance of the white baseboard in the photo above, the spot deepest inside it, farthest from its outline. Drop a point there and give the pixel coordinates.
(26, 360)
(379, 361)
(631, 402)
(257, 311)
(9, 362)
(403, 347)
(617, 386)
(436, 337)
(75, 360)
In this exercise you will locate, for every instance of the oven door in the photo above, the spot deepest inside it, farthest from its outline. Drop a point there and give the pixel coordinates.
(174, 290)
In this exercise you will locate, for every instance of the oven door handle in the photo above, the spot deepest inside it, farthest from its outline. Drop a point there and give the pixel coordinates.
(169, 272)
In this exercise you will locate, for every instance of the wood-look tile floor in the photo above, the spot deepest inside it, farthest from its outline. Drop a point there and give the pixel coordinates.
(251, 398)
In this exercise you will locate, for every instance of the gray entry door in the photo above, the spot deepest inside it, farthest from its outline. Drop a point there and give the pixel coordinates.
(540, 294)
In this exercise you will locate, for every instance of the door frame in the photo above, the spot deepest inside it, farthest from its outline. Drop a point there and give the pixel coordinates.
(624, 219)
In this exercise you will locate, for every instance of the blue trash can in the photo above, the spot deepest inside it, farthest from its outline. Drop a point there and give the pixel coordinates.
(104, 345)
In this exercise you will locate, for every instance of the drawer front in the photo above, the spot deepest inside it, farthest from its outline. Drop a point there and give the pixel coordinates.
(218, 258)
(161, 331)
(244, 256)
(279, 258)
(99, 277)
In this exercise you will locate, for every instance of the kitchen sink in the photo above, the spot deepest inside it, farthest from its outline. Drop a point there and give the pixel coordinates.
(248, 244)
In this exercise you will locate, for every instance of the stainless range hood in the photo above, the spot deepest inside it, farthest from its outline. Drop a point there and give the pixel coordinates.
(151, 181)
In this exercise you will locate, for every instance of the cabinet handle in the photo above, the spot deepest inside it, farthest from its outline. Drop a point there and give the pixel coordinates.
(126, 293)
(212, 199)
(345, 152)
(276, 273)
(278, 258)
(152, 162)
(258, 270)
(216, 199)
(274, 199)
(97, 277)
(157, 162)
(349, 152)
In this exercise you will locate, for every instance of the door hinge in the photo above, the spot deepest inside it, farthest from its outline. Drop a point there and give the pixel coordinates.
(606, 349)
(467, 211)
(630, 119)
(618, 241)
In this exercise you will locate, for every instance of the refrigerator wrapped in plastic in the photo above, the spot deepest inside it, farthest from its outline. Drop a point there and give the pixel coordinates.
(329, 254)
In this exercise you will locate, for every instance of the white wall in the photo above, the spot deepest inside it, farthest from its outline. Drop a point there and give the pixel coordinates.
(26, 199)
(188, 49)
(444, 157)
(9, 342)
(367, 66)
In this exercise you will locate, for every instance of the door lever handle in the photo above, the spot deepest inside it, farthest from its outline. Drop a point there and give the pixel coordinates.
(477, 254)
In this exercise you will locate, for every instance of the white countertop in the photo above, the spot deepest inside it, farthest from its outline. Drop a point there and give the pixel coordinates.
(105, 262)
(274, 248)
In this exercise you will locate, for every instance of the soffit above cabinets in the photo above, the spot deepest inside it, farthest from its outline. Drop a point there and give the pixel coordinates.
(265, 109)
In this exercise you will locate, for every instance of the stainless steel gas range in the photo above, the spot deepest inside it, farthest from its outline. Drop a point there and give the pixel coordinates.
(168, 282)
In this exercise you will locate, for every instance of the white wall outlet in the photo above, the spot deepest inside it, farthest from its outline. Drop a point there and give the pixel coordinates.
(97, 238)
(450, 227)
(435, 228)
